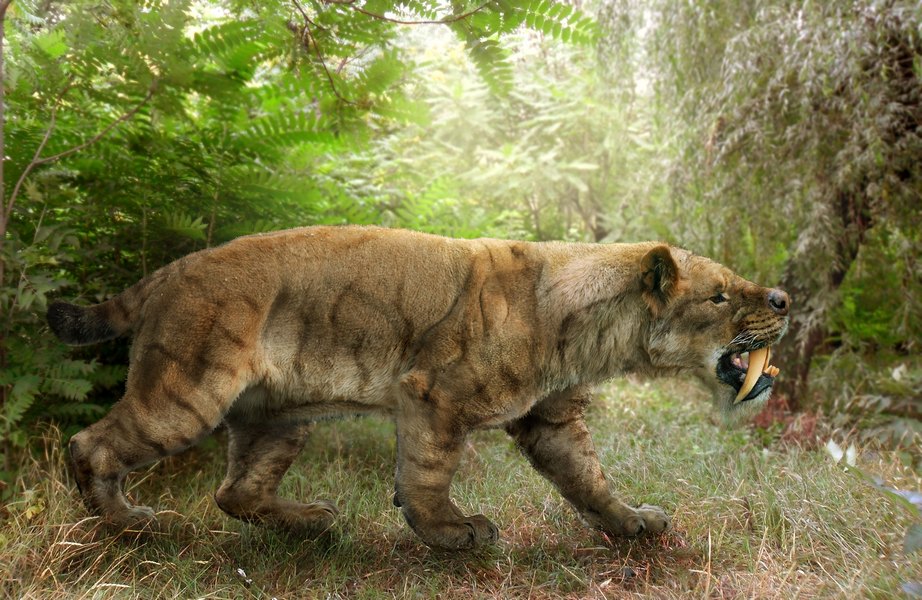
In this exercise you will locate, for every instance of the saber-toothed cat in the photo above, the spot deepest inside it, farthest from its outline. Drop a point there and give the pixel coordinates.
(269, 332)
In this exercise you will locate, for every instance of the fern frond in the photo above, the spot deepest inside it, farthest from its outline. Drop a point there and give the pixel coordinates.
(240, 228)
(560, 21)
(107, 376)
(225, 38)
(185, 225)
(241, 46)
(83, 411)
(420, 9)
(283, 129)
(67, 369)
(72, 389)
(21, 396)
(262, 181)
(492, 61)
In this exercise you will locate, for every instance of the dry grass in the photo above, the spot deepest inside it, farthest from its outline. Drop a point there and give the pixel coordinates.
(750, 522)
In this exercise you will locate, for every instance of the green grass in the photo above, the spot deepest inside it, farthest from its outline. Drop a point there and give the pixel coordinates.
(750, 521)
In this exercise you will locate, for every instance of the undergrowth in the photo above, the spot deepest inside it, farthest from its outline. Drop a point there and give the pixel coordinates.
(753, 517)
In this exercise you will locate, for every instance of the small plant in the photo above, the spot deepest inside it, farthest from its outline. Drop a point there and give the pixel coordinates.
(32, 364)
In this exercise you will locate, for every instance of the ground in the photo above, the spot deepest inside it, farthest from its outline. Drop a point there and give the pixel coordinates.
(756, 515)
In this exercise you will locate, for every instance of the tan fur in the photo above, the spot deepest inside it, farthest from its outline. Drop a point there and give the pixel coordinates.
(270, 332)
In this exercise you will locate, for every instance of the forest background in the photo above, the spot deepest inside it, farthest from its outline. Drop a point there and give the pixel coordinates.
(780, 138)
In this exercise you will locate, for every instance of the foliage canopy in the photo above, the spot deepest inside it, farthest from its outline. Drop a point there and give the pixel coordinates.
(781, 139)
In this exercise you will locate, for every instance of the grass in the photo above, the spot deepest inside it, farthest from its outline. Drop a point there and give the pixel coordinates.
(750, 521)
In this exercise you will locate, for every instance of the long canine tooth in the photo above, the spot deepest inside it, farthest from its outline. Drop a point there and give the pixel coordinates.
(757, 362)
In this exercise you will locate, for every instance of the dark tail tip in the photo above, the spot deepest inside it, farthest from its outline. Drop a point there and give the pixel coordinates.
(66, 321)
(77, 325)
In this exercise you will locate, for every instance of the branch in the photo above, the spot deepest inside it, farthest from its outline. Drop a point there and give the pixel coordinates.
(36, 161)
(304, 14)
(33, 162)
(346, 60)
(101, 134)
(444, 21)
(306, 31)
(51, 124)
(312, 41)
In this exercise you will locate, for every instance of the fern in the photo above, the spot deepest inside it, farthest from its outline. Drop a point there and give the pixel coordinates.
(39, 378)
(185, 225)
(52, 43)
(560, 21)
(72, 389)
(22, 394)
(226, 38)
(421, 9)
(248, 122)
(283, 129)
(67, 379)
(492, 61)
(233, 230)
(75, 411)
(108, 376)
(253, 179)
(382, 73)
(481, 32)
(68, 369)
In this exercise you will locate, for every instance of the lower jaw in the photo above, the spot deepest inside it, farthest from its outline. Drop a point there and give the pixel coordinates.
(762, 386)
(754, 377)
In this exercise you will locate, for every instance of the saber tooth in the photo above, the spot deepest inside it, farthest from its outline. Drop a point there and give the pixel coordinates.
(756, 357)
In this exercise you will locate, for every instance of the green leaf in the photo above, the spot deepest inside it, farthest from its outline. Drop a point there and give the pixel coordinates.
(185, 225)
(52, 43)
(72, 389)
(21, 398)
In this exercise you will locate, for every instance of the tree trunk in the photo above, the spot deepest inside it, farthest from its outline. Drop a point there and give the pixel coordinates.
(4, 217)
(806, 337)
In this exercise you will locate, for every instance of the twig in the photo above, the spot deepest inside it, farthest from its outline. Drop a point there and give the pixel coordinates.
(312, 41)
(101, 134)
(54, 112)
(346, 60)
(36, 161)
(304, 15)
(444, 21)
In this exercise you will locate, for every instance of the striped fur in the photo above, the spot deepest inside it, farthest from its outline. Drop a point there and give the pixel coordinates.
(270, 332)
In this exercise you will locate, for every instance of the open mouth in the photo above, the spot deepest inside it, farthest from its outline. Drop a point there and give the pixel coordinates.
(750, 373)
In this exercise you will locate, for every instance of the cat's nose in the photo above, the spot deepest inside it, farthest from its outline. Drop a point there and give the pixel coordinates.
(779, 301)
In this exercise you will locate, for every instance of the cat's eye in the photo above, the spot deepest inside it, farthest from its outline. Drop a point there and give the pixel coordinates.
(719, 298)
